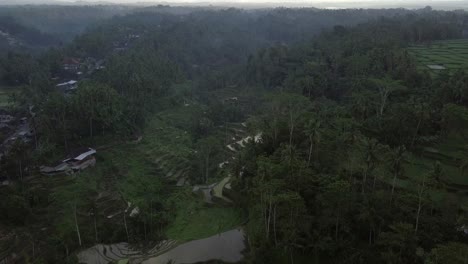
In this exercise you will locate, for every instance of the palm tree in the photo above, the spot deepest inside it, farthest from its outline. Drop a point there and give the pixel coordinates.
(422, 113)
(385, 87)
(464, 161)
(367, 214)
(397, 157)
(428, 182)
(313, 130)
(371, 147)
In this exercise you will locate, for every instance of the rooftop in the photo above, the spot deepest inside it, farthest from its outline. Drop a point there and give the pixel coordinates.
(80, 154)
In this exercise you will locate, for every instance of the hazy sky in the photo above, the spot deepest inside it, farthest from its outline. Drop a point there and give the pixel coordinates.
(275, 1)
(437, 4)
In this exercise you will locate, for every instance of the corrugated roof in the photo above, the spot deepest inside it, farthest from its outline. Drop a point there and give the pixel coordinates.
(80, 154)
(71, 82)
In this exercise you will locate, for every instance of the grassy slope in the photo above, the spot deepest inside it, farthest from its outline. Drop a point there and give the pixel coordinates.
(195, 220)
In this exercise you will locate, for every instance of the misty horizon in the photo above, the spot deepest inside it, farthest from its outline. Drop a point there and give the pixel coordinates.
(334, 4)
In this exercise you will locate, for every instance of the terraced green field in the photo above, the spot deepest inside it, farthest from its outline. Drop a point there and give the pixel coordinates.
(166, 151)
(450, 153)
(442, 55)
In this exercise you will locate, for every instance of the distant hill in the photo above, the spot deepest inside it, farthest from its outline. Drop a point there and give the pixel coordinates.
(29, 2)
(62, 21)
(16, 36)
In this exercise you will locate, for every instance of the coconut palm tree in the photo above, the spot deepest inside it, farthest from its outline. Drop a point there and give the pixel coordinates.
(396, 167)
(464, 161)
(370, 149)
(313, 130)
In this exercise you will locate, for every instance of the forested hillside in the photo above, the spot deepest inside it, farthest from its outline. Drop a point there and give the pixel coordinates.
(319, 133)
(64, 22)
(14, 36)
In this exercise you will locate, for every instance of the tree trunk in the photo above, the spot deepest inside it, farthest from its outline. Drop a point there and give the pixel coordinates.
(151, 216)
(76, 225)
(275, 133)
(65, 142)
(383, 99)
(420, 194)
(415, 133)
(393, 188)
(291, 127)
(126, 229)
(64, 132)
(91, 127)
(364, 179)
(269, 219)
(21, 169)
(226, 140)
(337, 224)
(35, 133)
(207, 160)
(264, 213)
(373, 184)
(417, 217)
(95, 226)
(274, 224)
(310, 151)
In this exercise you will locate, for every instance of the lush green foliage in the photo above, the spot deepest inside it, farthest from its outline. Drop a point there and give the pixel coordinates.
(361, 157)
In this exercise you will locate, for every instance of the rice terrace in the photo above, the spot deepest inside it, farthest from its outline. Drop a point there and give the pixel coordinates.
(442, 55)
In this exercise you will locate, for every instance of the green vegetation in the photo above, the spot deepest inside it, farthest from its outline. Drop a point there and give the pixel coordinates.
(450, 54)
(328, 141)
(195, 220)
(6, 97)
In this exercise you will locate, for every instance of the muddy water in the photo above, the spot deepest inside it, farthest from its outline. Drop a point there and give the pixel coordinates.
(227, 246)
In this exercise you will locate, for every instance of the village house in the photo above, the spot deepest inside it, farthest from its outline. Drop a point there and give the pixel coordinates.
(57, 168)
(81, 159)
(4, 119)
(4, 127)
(133, 36)
(71, 64)
(78, 160)
(231, 100)
(99, 65)
(68, 86)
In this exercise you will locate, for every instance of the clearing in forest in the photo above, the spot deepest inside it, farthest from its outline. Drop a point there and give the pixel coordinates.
(442, 55)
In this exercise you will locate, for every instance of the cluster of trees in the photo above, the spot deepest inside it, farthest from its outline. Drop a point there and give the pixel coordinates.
(209, 47)
(346, 112)
(339, 117)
